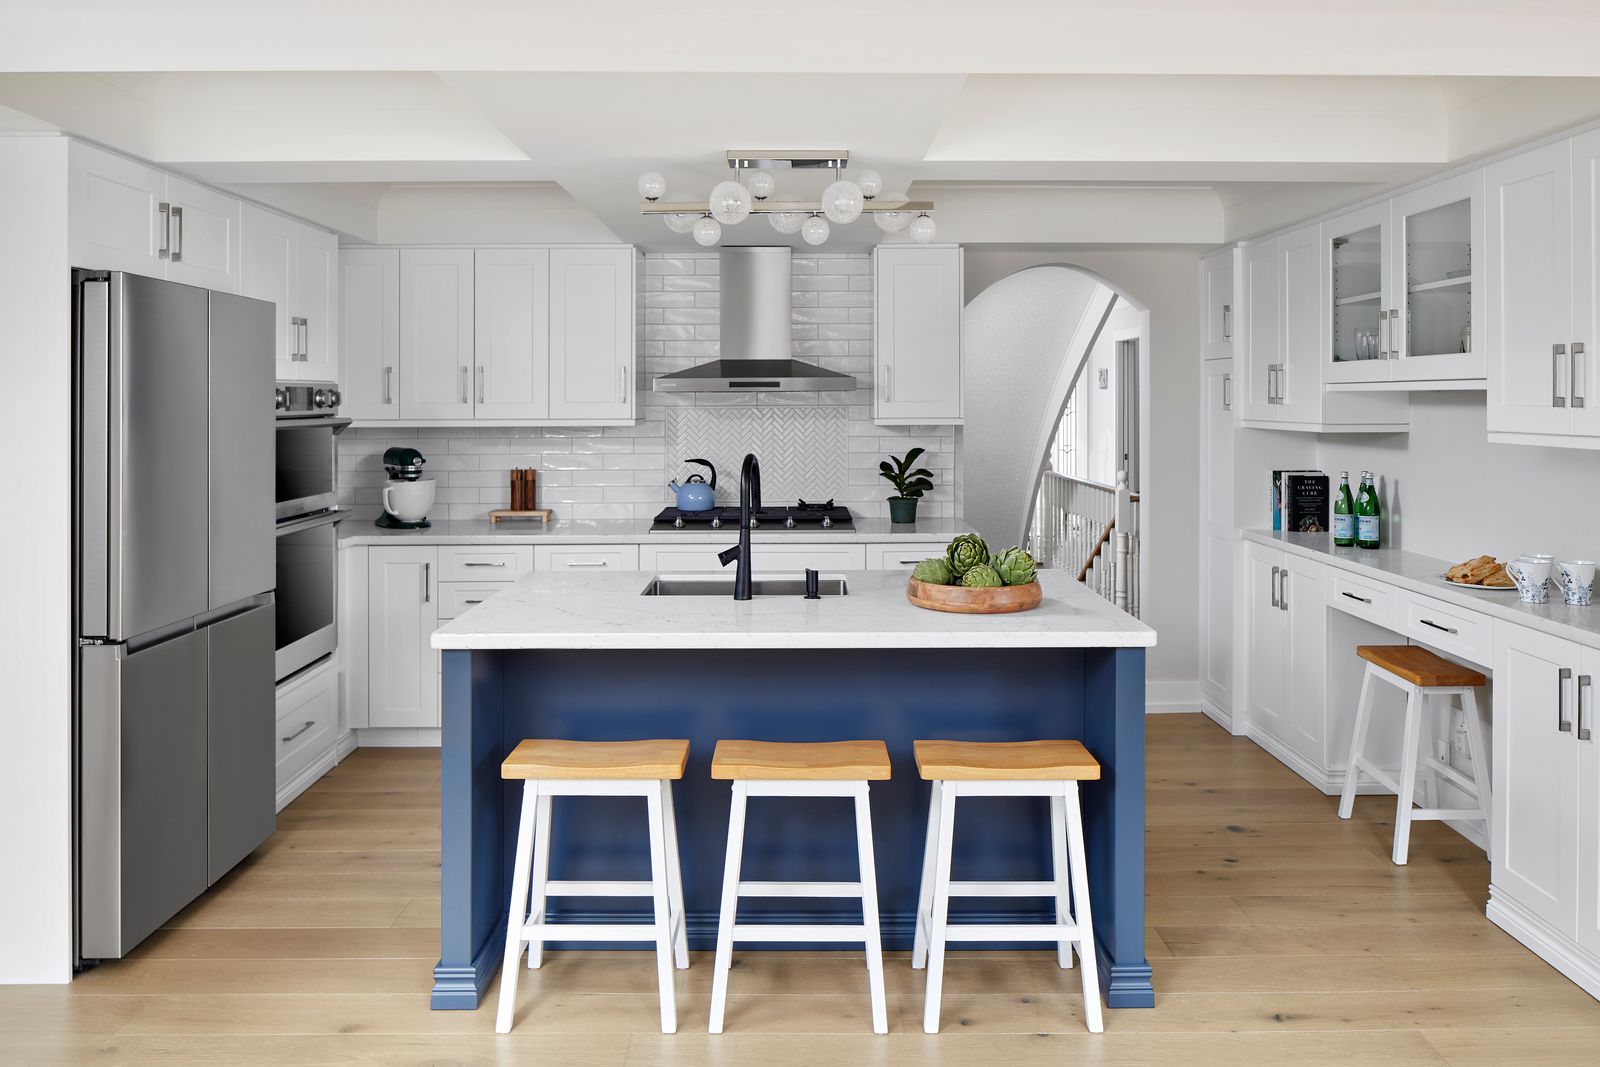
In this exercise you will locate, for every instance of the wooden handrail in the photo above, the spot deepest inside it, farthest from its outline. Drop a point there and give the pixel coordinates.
(1105, 537)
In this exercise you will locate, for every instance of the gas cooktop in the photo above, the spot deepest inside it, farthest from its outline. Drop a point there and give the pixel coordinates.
(824, 516)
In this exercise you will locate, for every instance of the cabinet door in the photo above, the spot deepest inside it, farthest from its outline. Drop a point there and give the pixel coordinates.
(1585, 384)
(1359, 338)
(113, 210)
(267, 274)
(1259, 296)
(369, 332)
(1534, 823)
(1528, 276)
(1265, 634)
(1436, 281)
(436, 333)
(1216, 654)
(402, 611)
(1301, 326)
(591, 334)
(316, 302)
(204, 229)
(1216, 294)
(1300, 594)
(512, 337)
(1588, 875)
(917, 325)
(1217, 533)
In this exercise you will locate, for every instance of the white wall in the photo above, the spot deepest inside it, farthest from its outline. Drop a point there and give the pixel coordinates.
(36, 625)
(1099, 409)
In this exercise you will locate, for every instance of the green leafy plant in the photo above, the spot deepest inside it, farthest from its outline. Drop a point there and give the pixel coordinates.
(909, 481)
(966, 551)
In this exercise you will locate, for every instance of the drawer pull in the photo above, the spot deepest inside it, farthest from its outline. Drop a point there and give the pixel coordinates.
(472, 602)
(586, 563)
(1363, 599)
(309, 724)
(496, 563)
(1436, 626)
(1563, 676)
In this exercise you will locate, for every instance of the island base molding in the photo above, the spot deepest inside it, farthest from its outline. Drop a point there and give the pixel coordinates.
(1550, 945)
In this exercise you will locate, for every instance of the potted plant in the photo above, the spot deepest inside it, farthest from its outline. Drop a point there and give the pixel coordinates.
(909, 482)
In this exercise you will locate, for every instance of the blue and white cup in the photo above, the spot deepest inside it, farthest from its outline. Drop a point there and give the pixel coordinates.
(1532, 575)
(1577, 579)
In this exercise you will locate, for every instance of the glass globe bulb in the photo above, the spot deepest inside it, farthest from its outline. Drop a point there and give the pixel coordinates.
(787, 221)
(842, 202)
(892, 221)
(760, 183)
(652, 186)
(680, 223)
(923, 229)
(730, 203)
(871, 183)
(814, 230)
(707, 230)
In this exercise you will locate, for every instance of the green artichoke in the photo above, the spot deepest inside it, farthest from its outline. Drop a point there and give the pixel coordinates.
(982, 576)
(1016, 566)
(966, 552)
(934, 571)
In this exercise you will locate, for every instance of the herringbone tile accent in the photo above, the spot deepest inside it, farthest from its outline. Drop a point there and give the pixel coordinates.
(802, 450)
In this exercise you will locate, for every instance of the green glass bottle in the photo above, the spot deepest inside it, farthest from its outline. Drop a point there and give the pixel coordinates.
(1344, 514)
(1369, 514)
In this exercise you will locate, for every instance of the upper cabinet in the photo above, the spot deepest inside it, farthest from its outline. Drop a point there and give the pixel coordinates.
(293, 265)
(917, 334)
(512, 334)
(1216, 304)
(369, 331)
(435, 333)
(591, 343)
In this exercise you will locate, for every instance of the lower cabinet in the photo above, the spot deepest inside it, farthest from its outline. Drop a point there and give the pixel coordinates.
(903, 555)
(1285, 654)
(307, 729)
(402, 613)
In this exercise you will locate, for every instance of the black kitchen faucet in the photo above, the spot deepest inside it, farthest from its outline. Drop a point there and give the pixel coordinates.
(749, 502)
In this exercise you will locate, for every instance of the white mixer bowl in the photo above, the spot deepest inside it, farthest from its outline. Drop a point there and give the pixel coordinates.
(409, 501)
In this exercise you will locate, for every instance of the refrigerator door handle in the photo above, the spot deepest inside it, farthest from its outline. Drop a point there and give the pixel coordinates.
(98, 349)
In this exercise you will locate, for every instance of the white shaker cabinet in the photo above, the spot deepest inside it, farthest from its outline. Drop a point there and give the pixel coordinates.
(293, 265)
(1585, 344)
(268, 274)
(1587, 730)
(1216, 308)
(402, 613)
(1285, 657)
(369, 332)
(917, 334)
(204, 242)
(511, 340)
(1258, 350)
(1217, 537)
(436, 308)
(591, 342)
(1299, 379)
(314, 295)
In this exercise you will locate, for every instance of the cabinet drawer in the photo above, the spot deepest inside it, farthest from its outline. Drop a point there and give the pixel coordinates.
(1450, 629)
(308, 715)
(767, 559)
(456, 597)
(1372, 601)
(902, 556)
(586, 557)
(484, 563)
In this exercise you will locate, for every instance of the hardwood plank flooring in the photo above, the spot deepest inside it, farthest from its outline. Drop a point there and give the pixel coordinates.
(1278, 934)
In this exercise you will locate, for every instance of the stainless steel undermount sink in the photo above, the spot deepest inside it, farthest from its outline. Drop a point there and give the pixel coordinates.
(717, 585)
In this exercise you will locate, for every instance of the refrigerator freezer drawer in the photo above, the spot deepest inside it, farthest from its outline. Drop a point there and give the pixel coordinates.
(240, 710)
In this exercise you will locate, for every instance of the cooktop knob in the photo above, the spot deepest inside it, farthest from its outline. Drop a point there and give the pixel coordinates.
(678, 522)
(789, 523)
(754, 522)
(716, 522)
(827, 523)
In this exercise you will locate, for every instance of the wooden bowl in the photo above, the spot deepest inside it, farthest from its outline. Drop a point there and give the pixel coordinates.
(969, 600)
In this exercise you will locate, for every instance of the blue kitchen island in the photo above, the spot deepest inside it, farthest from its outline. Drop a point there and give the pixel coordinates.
(586, 656)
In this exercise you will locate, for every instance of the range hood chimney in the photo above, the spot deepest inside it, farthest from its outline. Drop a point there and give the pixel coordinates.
(755, 332)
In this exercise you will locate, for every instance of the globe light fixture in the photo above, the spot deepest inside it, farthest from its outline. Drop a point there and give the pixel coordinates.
(680, 222)
(892, 221)
(814, 230)
(730, 203)
(923, 229)
(787, 221)
(707, 230)
(842, 202)
(652, 186)
(871, 183)
(760, 183)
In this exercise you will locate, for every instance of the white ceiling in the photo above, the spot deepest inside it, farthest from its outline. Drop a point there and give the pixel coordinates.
(1027, 122)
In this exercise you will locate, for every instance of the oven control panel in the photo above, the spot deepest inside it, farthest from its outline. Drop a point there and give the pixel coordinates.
(300, 400)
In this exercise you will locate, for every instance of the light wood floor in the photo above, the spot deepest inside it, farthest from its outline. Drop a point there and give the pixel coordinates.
(1279, 935)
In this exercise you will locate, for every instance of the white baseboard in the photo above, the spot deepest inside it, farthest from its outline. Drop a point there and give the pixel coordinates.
(1550, 945)
(308, 776)
(1170, 698)
(398, 737)
(1218, 714)
(347, 743)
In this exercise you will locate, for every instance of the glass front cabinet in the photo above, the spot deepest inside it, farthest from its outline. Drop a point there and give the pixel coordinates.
(1406, 288)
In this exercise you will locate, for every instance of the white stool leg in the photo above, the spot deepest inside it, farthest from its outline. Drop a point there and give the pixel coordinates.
(660, 878)
(680, 943)
(1408, 775)
(869, 910)
(1059, 869)
(1480, 754)
(1081, 914)
(517, 912)
(1358, 743)
(930, 848)
(730, 908)
(539, 903)
(940, 908)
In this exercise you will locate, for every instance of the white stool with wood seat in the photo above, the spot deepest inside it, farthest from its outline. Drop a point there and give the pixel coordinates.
(1430, 683)
(1050, 769)
(550, 769)
(774, 769)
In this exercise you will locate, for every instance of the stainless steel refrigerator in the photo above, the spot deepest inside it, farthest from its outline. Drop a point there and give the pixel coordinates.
(174, 614)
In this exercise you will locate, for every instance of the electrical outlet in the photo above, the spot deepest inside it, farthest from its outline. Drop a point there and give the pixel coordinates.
(1105, 378)
(1441, 751)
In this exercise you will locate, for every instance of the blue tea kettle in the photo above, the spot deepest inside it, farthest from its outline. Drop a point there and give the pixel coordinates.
(695, 494)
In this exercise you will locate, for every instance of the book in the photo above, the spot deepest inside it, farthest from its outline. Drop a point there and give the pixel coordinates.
(1306, 502)
(1277, 495)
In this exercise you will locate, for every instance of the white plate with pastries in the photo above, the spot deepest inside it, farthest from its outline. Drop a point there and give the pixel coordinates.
(1480, 572)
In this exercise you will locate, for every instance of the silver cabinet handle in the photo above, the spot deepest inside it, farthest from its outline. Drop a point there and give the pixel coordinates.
(1227, 391)
(465, 399)
(1396, 334)
(1272, 384)
(890, 397)
(177, 243)
(482, 371)
(586, 563)
(1585, 707)
(388, 383)
(165, 251)
(1563, 676)
(1437, 626)
(1383, 335)
(1273, 586)
(1227, 322)
(484, 563)
(294, 339)
(1557, 353)
(305, 339)
(472, 601)
(622, 382)
(308, 725)
(427, 582)
(1283, 589)
(1363, 599)
(1576, 372)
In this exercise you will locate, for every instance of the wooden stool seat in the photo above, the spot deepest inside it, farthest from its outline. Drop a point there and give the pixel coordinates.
(823, 761)
(1420, 667)
(1005, 761)
(546, 758)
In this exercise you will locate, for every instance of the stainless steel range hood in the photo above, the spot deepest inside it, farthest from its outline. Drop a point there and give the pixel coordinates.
(755, 333)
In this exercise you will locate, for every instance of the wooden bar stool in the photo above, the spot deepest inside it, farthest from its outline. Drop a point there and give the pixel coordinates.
(1050, 769)
(773, 769)
(549, 769)
(1423, 677)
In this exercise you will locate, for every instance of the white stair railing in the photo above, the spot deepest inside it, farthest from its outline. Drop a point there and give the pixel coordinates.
(1091, 531)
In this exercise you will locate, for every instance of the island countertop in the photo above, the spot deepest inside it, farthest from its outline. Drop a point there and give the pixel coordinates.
(562, 610)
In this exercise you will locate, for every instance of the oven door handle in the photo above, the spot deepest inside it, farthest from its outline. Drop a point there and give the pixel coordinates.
(326, 518)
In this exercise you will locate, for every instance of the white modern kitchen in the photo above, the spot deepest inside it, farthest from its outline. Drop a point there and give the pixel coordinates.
(1078, 524)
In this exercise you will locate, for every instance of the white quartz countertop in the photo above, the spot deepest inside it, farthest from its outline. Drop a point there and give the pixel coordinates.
(637, 531)
(1421, 574)
(563, 610)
